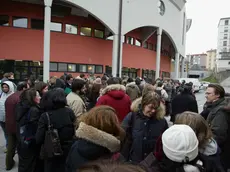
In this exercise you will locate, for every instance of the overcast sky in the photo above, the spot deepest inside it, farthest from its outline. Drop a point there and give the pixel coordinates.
(205, 14)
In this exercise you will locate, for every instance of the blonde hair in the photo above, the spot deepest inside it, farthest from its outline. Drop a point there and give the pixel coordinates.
(198, 124)
(105, 119)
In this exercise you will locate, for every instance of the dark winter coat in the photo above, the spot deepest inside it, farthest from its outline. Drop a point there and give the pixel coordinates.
(183, 102)
(219, 120)
(91, 144)
(116, 97)
(63, 120)
(28, 156)
(206, 110)
(10, 107)
(143, 131)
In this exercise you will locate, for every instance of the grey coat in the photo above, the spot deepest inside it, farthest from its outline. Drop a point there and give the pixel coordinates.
(218, 121)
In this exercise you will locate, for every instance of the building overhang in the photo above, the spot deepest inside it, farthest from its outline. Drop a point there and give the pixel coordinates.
(179, 4)
(188, 24)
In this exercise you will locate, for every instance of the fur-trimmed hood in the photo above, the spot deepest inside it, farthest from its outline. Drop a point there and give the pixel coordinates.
(130, 84)
(98, 137)
(113, 87)
(160, 111)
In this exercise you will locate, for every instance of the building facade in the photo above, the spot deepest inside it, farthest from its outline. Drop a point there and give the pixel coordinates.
(223, 45)
(198, 59)
(211, 59)
(45, 38)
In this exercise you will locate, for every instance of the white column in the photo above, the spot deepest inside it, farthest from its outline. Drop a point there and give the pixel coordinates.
(158, 58)
(114, 58)
(182, 67)
(46, 50)
(177, 64)
(115, 55)
(121, 57)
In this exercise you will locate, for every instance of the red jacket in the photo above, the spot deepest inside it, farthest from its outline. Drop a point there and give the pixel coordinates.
(10, 107)
(115, 96)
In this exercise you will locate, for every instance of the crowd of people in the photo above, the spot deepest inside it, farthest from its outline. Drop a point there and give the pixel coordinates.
(98, 124)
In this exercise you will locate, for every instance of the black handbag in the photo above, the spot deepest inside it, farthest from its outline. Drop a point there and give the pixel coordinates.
(52, 146)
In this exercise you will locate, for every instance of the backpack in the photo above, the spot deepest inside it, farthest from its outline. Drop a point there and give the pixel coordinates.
(52, 146)
(26, 136)
(159, 92)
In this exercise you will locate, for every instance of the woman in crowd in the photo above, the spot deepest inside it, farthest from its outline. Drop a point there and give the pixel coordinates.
(208, 147)
(99, 136)
(27, 114)
(41, 87)
(7, 88)
(180, 152)
(143, 126)
(61, 118)
(94, 93)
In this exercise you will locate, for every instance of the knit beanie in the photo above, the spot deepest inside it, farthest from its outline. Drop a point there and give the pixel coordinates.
(180, 143)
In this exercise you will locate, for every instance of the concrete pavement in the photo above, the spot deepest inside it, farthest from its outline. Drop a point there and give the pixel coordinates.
(3, 155)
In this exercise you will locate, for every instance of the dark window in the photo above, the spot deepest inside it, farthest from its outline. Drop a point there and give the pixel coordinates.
(229, 63)
(35, 63)
(150, 74)
(53, 66)
(99, 69)
(98, 33)
(21, 63)
(91, 69)
(150, 46)
(20, 22)
(86, 31)
(69, 28)
(82, 68)
(225, 30)
(224, 43)
(132, 73)
(37, 24)
(57, 27)
(137, 42)
(4, 20)
(62, 67)
(108, 70)
(226, 22)
(145, 45)
(129, 40)
(71, 67)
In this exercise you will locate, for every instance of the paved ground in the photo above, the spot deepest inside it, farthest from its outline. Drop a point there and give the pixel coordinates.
(200, 101)
(2, 155)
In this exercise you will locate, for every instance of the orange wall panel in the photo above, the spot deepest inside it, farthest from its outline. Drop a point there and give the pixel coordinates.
(27, 44)
(138, 57)
(21, 44)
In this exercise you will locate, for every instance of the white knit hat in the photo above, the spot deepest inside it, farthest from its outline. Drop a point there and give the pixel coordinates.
(180, 143)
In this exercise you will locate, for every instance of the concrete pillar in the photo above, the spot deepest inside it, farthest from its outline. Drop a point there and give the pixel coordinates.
(115, 55)
(177, 64)
(158, 58)
(46, 50)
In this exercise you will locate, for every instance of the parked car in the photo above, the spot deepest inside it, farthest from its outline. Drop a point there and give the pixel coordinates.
(196, 83)
(205, 84)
